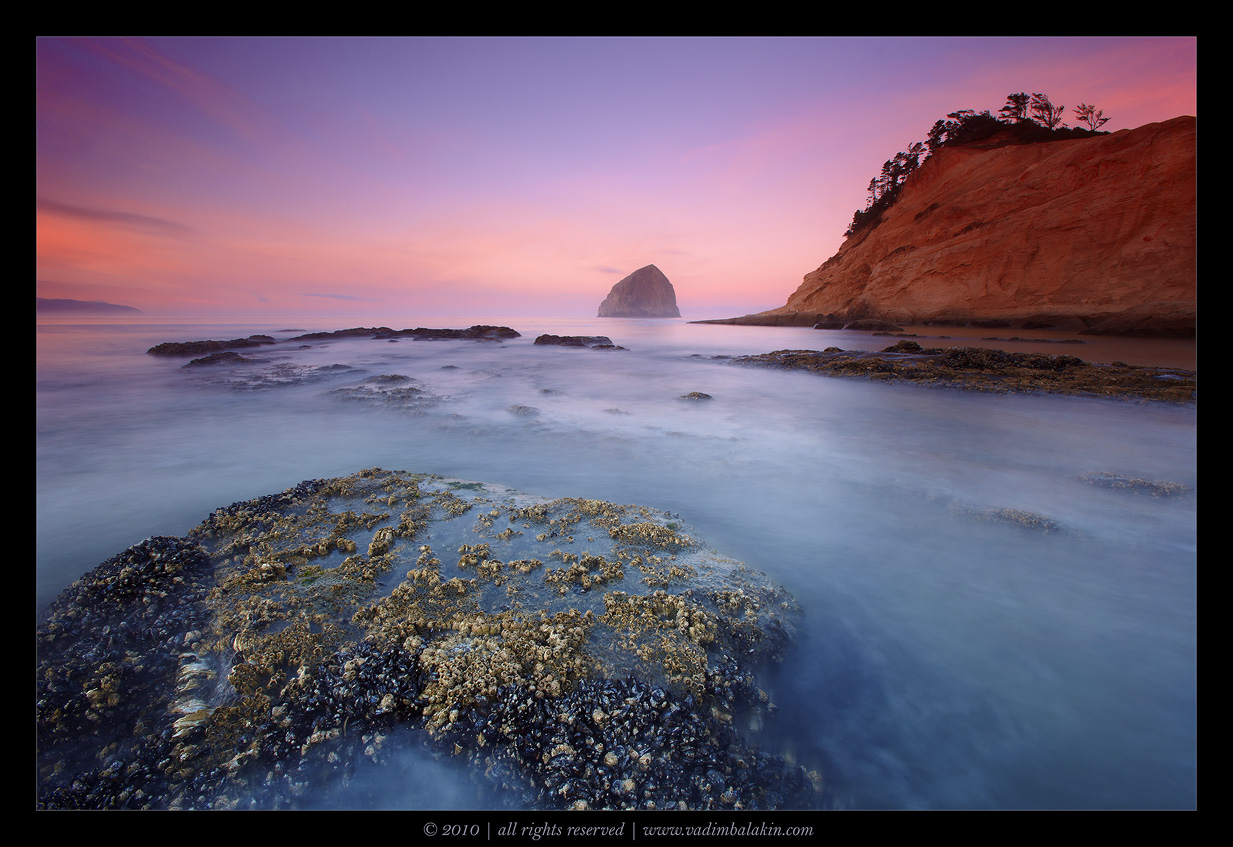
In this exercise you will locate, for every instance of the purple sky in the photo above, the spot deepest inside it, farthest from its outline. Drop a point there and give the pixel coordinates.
(283, 177)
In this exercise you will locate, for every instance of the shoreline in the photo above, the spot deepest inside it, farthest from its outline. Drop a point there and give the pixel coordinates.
(1150, 351)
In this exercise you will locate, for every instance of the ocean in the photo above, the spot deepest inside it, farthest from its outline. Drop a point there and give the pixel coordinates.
(943, 661)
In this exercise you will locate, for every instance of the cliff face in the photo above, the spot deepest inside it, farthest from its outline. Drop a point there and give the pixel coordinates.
(1094, 234)
(646, 293)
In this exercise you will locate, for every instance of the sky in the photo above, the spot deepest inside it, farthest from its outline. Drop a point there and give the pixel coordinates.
(338, 177)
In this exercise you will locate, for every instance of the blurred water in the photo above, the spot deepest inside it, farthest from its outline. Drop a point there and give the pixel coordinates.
(944, 662)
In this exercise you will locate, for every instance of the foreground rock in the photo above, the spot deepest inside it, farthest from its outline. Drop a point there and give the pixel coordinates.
(567, 654)
(1094, 235)
(980, 369)
(646, 293)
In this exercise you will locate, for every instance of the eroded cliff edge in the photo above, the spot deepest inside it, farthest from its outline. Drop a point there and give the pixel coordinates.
(1092, 235)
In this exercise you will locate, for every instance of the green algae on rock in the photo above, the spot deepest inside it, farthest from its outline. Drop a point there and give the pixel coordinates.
(321, 622)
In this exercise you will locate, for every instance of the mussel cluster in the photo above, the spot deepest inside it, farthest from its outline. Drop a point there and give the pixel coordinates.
(261, 661)
(622, 744)
(109, 647)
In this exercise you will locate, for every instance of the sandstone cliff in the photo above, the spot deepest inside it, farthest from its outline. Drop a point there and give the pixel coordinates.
(1092, 235)
(646, 293)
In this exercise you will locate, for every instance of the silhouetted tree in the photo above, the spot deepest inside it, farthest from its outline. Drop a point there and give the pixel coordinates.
(959, 127)
(1016, 108)
(937, 137)
(1045, 113)
(915, 151)
(884, 188)
(1088, 115)
(971, 126)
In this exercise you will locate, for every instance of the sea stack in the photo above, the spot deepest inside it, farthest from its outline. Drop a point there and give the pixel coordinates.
(646, 293)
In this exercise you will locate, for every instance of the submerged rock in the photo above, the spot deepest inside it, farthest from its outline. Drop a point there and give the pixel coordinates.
(261, 375)
(1136, 485)
(393, 391)
(566, 653)
(226, 357)
(1018, 517)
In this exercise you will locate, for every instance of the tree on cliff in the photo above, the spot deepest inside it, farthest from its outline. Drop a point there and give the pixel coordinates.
(884, 188)
(962, 126)
(1045, 113)
(895, 171)
(1016, 108)
(1026, 120)
(1088, 115)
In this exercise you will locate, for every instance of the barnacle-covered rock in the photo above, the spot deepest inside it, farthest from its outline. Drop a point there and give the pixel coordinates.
(292, 635)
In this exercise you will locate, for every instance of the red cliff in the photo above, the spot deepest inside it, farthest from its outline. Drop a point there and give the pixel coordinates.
(1093, 234)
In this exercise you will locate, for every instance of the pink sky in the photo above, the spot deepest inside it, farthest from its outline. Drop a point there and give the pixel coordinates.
(339, 177)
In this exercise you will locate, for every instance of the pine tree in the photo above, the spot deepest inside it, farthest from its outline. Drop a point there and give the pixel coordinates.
(1016, 108)
(1045, 113)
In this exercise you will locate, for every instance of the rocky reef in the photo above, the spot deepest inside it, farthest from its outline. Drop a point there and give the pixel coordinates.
(202, 348)
(381, 333)
(646, 293)
(567, 654)
(982, 369)
(598, 342)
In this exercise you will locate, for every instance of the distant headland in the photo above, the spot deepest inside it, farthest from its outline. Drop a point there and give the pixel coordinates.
(46, 306)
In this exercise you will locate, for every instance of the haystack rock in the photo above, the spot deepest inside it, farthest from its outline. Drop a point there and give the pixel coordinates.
(1093, 234)
(646, 293)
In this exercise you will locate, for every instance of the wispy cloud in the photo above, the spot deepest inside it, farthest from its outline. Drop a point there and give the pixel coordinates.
(198, 88)
(339, 297)
(129, 220)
